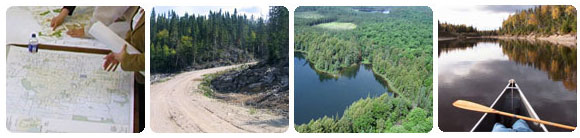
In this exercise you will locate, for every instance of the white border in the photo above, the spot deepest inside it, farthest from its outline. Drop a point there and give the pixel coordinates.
(291, 5)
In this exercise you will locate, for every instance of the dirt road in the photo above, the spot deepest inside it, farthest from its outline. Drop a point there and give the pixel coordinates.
(177, 106)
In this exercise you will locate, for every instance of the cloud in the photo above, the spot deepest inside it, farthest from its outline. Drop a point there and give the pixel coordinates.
(483, 17)
(250, 9)
(505, 8)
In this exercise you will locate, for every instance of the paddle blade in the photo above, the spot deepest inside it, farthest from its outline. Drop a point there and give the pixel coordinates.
(467, 105)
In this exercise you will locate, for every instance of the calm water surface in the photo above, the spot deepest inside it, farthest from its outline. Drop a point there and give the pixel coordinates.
(478, 70)
(317, 94)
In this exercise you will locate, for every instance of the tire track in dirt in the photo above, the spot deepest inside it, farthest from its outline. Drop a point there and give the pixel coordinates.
(177, 106)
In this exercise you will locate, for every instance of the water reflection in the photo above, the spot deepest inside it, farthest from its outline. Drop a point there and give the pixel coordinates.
(318, 94)
(558, 61)
(478, 69)
(451, 45)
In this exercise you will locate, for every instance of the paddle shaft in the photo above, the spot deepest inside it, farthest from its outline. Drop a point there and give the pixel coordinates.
(535, 120)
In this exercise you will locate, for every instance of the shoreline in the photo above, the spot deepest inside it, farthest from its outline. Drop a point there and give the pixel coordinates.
(564, 40)
(390, 87)
(446, 38)
(567, 40)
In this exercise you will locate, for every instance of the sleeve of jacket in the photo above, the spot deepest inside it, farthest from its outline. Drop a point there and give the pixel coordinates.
(133, 62)
(70, 9)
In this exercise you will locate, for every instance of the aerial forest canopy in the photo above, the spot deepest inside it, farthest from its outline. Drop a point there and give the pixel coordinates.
(398, 44)
(217, 39)
(397, 41)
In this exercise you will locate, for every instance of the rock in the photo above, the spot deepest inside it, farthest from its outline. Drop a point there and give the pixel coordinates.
(227, 79)
(284, 81)
(255, 87)
(267, 83)
(270, 75)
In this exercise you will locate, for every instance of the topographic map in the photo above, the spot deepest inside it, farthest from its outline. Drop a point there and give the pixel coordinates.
(57, 91)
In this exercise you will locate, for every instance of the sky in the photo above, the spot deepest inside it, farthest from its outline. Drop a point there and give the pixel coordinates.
(257, 11)
(483, 17)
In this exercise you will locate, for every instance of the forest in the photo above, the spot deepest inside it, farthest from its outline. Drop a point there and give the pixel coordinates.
(383, 114)
(397, 41)
(220, 38)
(542, 20)
(462, 30)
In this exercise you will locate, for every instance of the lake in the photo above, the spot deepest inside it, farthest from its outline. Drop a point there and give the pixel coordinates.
(318, 94)
(479, 69)
(384, 11)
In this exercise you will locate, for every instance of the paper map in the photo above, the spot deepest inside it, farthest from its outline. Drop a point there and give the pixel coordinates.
(57, 91)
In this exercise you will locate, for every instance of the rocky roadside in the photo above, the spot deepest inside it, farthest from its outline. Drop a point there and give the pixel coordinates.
(263, 86)
(161, 77)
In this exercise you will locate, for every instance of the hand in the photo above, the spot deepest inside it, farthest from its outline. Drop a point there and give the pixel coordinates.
(112, 60)
(59, 19)
(76, 32)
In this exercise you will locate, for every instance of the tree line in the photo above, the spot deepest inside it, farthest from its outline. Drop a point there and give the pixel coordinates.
(540, 20)
(462, 30)
(216, 39)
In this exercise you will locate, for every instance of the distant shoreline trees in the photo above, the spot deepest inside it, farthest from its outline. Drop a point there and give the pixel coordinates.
(462, 30)
(542, 20)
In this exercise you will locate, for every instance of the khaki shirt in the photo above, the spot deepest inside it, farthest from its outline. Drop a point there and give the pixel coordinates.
(135, 37)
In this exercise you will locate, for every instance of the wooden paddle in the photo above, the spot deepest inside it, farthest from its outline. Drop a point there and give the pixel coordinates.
(467, 105)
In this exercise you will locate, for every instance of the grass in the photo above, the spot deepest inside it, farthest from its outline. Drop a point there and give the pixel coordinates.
(253, 111)
(337, 26)
(308, 15)
(207, 91)
(205, 85)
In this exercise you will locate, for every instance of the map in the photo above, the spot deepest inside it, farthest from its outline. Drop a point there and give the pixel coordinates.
(27, 20)
(44, 15)
(57, 91)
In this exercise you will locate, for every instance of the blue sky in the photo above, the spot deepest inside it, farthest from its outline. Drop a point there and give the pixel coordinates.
(484, 17)
(257, 11)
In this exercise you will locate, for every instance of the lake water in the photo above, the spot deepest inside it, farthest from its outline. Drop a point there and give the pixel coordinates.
(384, 11)
(478, 70)
(318, 94)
